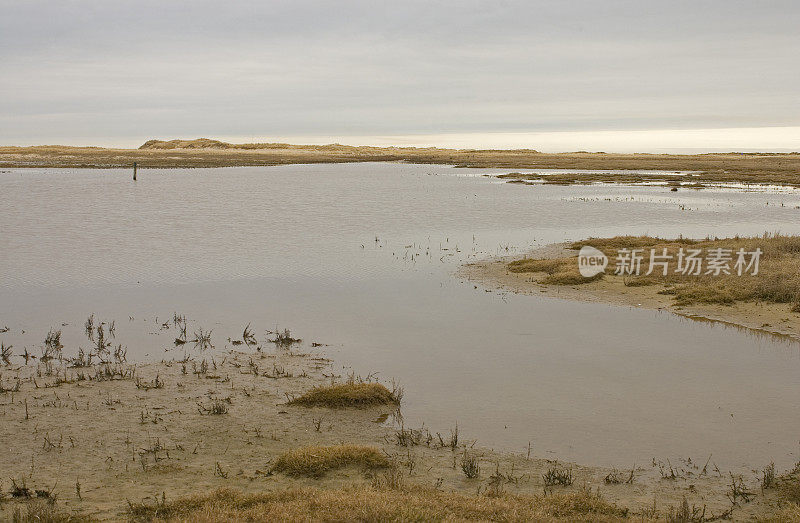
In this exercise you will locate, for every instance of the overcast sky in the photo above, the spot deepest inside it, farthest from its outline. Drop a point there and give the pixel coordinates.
(117, 73)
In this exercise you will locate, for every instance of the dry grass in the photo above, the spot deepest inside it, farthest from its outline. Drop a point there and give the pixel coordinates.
(788, 485)
(778, 279)
(787, 488)
(45, 511)
(789, 513)
(350, 394)
(380, 504)
(315, 460)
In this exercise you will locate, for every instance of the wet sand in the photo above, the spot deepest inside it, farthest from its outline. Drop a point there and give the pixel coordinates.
(98, 443)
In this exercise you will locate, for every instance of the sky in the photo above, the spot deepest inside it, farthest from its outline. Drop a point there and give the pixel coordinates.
(548, 75)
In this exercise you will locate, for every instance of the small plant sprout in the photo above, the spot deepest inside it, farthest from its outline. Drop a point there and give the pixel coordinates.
(284, 339)
(248, 337)
(470, 466)
(217, 408)
(768, 476)
(89, 327)
(202, 339)
(52, 345)
(737, 490)
(557, 475)
(5, 353)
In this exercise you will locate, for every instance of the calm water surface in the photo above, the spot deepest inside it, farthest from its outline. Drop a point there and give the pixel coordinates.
(361, 257)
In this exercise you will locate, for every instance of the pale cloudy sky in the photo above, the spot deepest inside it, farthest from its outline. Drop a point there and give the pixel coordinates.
(117, 72)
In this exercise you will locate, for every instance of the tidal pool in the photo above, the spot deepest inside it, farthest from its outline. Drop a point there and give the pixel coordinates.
(361, 258)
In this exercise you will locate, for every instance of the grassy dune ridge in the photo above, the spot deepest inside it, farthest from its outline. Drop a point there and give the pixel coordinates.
(771, 168)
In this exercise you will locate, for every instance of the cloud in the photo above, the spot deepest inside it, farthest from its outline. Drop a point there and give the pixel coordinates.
(123, 70)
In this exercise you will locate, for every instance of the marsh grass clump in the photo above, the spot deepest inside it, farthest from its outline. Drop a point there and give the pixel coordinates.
(89, 327)
(248, 337)
(351, 394)
(470, 466)
(283, 339)
(378, 503)
(557, 475)
(737, 490)
(179, 322)
(121, 354)
(202, 369)
(81, 360)
(157, 383)
(101, 346)
(787, 486)
(52, 346)
(217, 407)
(616, 477)
(683, 513)
(768, 476)
(202, 339)
(108, 372)
(314, 461)
(411, 437)
(452, 441)
(20, 490)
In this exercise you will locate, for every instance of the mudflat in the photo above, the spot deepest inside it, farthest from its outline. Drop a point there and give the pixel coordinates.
(116, 440)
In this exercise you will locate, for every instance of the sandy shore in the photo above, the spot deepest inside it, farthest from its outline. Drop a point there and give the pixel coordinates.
(97, 441)
(771, 319)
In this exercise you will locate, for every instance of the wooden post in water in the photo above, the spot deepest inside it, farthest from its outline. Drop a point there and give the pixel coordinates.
(134, 171)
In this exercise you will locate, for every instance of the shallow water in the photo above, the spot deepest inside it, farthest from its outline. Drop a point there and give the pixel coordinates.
(362, 256)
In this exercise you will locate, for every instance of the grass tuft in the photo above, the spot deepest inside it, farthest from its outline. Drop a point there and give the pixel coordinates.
(348, 395)
(315, 461)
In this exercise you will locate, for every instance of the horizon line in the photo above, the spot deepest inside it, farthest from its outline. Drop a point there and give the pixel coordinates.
(728, 139)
